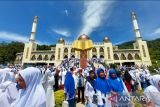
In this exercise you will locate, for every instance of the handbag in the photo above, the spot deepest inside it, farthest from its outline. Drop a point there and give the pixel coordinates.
(95, 98)
(65, 104)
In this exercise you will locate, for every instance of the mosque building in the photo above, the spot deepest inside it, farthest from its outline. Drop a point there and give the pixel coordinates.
(111, 54)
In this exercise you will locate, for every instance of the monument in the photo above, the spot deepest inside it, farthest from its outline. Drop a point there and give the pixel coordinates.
(83, 44)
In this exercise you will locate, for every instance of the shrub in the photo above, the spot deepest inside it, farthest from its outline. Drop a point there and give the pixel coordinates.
(59, 98)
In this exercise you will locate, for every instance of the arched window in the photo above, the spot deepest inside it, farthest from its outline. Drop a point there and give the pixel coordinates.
(33, 58)
(52, 58)
(39, 58)
(46, 57)
(72, 56)
(27, 53)
(94, 50)
(101, 49)
(72, 50)
(137, 57)
(144, 52)
(116, 57)
(65, 53)
(20, 59)
(101, 52)
(130, 57)
(108, 51)
(59, 52)
(123, 57)
(101, 56)
(17, 59)
(65, 50)
(66, 56)
(94, 56)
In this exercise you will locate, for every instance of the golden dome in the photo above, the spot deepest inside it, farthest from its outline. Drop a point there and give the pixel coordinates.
(83, 37)
(106, 39)
(61, 40)
(83, 43)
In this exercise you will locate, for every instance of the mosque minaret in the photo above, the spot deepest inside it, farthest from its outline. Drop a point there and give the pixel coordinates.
(105, 50)
(34, 27)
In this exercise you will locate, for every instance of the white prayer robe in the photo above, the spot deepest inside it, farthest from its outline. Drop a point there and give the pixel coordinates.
(75, 80)
(63, 76)
(33, 95)
(152, 92)
(89, 92)
(107, 101)
(48, 84)
(8, 90)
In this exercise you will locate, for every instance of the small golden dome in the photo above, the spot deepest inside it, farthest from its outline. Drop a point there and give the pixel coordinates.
(61, 40)
(106, 39)
(83, 37)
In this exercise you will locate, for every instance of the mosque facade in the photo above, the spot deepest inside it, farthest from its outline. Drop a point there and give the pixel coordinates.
(105, 50)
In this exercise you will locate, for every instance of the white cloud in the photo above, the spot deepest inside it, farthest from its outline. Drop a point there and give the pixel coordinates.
(62, 32)
(42, 43)
(95, 11)
(155, 34)
(66, 12)
(9, 36)
(118, 43)
(12, 36)
(157, 31)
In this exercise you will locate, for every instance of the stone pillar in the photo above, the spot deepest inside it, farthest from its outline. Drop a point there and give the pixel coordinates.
(83, 59)
(98, 52)
(69, 52)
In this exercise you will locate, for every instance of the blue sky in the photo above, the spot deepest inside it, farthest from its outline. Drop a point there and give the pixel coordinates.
(69, 19)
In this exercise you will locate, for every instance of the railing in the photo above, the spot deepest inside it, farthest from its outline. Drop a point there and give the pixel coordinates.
(68, 43)
(98, 43)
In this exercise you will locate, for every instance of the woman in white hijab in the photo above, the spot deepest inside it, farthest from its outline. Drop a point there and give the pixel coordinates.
(152, 92)
(12, 72)
(8, 90)
(31, 93)
(48, 82)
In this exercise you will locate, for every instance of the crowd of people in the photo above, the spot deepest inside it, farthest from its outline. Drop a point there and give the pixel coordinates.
(95, 86)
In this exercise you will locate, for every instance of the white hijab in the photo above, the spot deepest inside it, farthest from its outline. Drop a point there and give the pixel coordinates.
(8, 90)
(5, 79)
(12, 75)
(152, 92)
(154, 81)
(33, 95)
(4, 76)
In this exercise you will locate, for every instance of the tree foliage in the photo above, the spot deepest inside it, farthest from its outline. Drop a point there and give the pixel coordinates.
(44, 47)
(8, 50)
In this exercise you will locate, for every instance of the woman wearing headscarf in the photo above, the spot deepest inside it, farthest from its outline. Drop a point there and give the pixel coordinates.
(103, 89)
(90, 89)
(56, 76)
(128, 81)
(31, 93)
(115, 82)
(48, 81)
(64, 71)
(117, 86)
(12, 73)
(69, 88)
(152, 92)
(8, 90)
